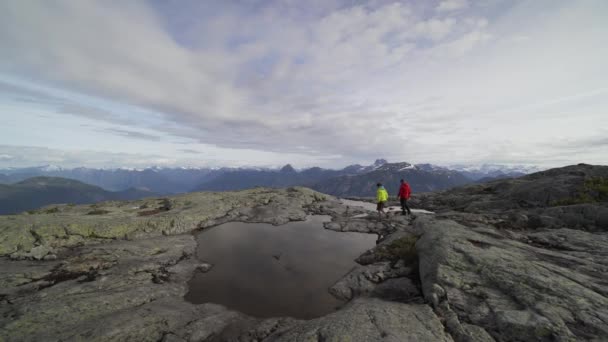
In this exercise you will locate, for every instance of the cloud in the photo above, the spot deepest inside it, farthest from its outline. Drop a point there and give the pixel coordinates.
(23, 94)
(27, 156)
(132, 134)
(190, 151)
(204, 88)
(452, 5)
(329, 80)
(584, 144)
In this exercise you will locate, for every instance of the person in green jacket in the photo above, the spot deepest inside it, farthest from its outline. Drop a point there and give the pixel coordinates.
(381, 198)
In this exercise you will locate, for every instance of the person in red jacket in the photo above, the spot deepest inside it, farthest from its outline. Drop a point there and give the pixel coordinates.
(404, 194)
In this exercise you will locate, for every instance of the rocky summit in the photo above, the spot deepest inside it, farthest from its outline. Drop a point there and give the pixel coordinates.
(512, 260)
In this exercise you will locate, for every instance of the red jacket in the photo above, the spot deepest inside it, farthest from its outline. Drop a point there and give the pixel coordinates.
(404, 191)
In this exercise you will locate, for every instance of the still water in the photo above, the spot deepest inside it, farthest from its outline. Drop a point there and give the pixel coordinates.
(268, 271)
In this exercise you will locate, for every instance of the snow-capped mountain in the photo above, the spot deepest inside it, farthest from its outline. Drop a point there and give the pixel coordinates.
(424, 177)
(494, 171)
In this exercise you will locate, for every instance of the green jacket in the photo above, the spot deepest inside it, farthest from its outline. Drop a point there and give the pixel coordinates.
(381, 195)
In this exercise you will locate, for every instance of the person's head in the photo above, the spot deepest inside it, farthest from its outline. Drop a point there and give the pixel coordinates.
(379, 184)
(402, 181)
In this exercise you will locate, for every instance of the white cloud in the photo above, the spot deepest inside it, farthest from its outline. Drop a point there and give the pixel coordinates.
(435, 29)
(452, 5)
(344, 82)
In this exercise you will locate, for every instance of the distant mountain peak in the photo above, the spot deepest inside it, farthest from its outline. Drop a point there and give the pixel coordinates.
(288, 168)
(355, 168)
(380, 162)
(396, 166)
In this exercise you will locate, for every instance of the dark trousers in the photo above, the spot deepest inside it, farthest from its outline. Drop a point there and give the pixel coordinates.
(404, 206)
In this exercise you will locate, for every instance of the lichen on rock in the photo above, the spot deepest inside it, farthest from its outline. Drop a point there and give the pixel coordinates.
(74, 225)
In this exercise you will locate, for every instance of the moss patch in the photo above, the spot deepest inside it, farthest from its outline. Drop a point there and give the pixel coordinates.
(594, 190)
(164, 205)
(52, 210)
(403, 248)
(598, 187)
(98, 212)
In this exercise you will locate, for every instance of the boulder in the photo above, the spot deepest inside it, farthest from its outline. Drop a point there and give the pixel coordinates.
(550, 289)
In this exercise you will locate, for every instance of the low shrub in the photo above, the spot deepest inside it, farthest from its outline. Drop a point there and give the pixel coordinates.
(403, 248)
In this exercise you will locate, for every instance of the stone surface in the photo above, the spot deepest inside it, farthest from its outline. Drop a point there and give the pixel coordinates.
(204, 267)
(101, 291)
(132, 288)
(513, 260)
(551, 286)
(122, 277)
(370, 319)
(550, 199)
(70, 226)
(372, 279)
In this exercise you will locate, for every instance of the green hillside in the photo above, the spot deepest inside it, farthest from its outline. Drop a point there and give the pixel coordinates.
(37, 192)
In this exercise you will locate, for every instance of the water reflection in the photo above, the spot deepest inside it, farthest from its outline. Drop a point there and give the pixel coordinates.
(267, 271)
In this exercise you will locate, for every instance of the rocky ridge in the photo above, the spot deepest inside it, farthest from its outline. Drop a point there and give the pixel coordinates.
(512, 260)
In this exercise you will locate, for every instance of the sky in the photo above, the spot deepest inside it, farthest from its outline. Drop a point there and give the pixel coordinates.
(312, 83)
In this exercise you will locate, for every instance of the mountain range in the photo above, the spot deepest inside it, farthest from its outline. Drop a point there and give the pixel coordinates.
(286, 176)
(353, 180)
(420, 178)
(37, 192)
(155, 179)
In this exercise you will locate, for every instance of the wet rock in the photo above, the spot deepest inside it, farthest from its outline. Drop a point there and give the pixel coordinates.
(250, 329)
(204, 267)
(213, 321)
(333, 226)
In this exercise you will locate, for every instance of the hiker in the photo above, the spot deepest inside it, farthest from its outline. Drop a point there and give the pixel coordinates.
(404, 194)
(381, 198)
